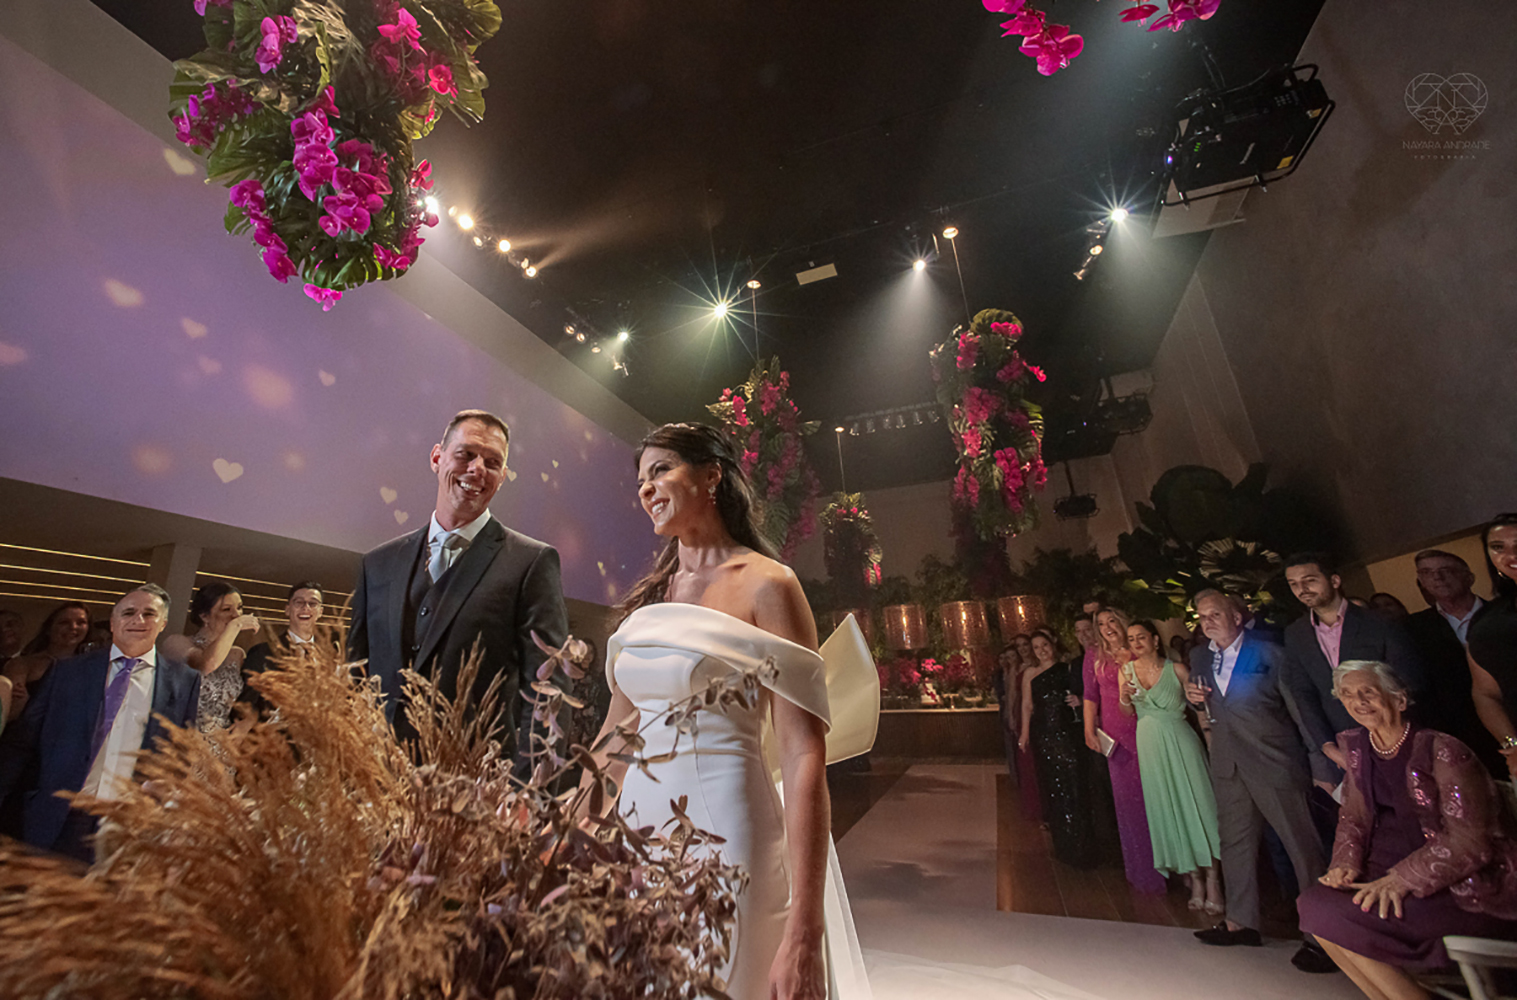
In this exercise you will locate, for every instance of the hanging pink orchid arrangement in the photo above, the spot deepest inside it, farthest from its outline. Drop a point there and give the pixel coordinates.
(1052, 45)
(308, 111)
(982, 380)
(766, 426)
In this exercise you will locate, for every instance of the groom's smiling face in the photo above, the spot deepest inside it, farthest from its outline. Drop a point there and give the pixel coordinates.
(470, 465)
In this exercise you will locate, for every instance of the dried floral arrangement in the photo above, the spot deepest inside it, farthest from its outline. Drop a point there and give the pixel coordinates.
(982, 381)
(307, 110)
(767, 427)
(1052, 45)
(307, 857)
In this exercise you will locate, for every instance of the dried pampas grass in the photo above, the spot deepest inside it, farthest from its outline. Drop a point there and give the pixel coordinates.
(308, 857)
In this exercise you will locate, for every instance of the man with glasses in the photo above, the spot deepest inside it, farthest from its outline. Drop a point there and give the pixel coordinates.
(303, 613)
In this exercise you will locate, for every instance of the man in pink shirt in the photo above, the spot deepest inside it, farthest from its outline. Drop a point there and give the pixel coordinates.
(1334, 629)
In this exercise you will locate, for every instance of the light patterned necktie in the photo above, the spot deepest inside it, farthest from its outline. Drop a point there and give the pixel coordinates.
(443, 555)
(115, 694)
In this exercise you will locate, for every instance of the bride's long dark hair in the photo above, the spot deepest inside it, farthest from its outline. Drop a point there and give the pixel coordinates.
(699, 445)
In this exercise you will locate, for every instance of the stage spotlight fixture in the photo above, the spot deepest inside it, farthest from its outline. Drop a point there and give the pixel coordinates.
(530, 271)
(465, 221)
(623, 336)
(525, 263)
(431, 204)
(1080, 274)
(919, 265)
(720, 309)
(1119, 214)
(479, 241)
(1096, 250)
(595, 348)
(951, 232)
(916, 418)
(452, 211)
(504, 246)
(579, 335)
(568, 329)
(755, 284)
(840, 429)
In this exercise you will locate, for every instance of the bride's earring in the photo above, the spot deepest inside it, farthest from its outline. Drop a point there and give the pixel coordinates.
(712, 493)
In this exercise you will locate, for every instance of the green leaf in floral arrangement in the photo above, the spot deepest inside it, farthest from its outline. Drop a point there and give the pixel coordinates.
(235, 220)
(217, 27)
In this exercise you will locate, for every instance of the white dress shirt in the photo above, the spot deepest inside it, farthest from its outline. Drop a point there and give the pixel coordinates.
(438, 537)
(1224, 671)
(1461, 626)
(114, 765)
(296, 640)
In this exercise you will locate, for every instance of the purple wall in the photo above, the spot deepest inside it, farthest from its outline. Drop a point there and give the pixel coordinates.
(145, 356)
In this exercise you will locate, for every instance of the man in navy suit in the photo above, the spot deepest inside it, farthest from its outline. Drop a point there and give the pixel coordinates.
(1259, 768)
(90, 717)
(425, 598)
(1334, 629)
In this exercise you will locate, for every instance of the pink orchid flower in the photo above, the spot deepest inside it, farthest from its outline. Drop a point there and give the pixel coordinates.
(1026, 24)
(328, 297)
(326, 103)
(1053, 49)
(312, 127)
(248, 195)
(391, 258)
(277, 32)
(1140, 13)
(1003, 6)
(280, 266)
(404, 28)
(421, 177)
(441, 80)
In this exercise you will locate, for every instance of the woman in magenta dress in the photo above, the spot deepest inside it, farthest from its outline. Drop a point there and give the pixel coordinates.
(1103, 701)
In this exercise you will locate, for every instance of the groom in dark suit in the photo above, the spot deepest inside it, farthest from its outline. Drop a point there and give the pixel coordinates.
(423, 599)
(1258, 765)
(89, 718)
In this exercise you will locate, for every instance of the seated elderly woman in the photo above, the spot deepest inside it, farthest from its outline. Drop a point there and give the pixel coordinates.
(1419, 851)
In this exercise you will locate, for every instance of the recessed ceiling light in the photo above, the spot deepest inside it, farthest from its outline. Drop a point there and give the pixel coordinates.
(505, 246)
(919, 265)
(951, 232)
(465, 221)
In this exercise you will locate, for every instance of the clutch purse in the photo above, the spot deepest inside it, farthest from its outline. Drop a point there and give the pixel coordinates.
(1106, 743)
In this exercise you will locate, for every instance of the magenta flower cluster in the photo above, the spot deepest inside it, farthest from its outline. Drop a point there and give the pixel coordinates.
(1052, 45)
(410, 67)
(248, 195)
(277, 32)
(213, 109)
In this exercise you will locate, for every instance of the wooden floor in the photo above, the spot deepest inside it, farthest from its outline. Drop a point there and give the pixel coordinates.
(1030, 880)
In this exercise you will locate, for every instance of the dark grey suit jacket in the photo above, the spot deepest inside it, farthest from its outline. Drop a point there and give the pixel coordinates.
(47, 750)
(1366, 636)
(504, 587)
(1255, 732)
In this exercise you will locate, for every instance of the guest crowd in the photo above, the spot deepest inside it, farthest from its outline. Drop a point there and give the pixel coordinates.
(1356, 754)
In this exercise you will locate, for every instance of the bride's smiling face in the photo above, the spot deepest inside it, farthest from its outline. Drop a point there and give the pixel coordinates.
(671, 490)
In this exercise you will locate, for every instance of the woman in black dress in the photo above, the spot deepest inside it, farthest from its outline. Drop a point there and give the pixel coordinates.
(1054, 731)
(1493, 639)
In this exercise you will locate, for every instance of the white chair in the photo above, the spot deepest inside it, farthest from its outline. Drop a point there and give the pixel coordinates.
(1476, 958)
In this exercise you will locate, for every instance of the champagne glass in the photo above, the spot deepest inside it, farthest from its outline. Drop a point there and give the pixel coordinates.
(1206, 689)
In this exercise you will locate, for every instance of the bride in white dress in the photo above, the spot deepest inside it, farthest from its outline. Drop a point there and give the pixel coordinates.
(718, 600)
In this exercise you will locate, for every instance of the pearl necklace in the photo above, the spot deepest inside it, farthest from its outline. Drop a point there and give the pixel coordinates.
(1405, 732)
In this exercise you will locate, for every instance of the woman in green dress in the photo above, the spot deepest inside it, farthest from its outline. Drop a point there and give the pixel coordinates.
(1177, 792)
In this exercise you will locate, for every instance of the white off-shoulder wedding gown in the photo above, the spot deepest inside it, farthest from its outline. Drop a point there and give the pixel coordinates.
(664, 653)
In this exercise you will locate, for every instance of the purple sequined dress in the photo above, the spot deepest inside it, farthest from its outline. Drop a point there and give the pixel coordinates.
(1104, 688)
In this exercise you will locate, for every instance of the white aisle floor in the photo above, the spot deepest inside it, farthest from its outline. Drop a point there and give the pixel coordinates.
(920, 870)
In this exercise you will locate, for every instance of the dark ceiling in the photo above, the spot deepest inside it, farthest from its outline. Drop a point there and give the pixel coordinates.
(653, 158)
